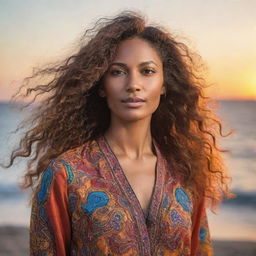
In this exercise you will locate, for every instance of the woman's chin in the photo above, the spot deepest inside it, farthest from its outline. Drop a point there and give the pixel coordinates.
(134, 117)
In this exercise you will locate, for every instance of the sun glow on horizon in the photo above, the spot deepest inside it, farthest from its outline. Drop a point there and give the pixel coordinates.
(226, 43)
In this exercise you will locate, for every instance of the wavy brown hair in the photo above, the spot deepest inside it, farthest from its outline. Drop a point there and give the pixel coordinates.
(72, 112)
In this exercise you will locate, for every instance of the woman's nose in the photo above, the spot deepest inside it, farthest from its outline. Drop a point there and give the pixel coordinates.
(133, 83)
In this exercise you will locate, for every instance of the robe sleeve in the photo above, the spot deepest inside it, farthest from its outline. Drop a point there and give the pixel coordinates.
(50, 226)
(201, 244)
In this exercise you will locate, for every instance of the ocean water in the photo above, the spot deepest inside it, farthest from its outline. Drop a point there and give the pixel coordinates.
(235, 219)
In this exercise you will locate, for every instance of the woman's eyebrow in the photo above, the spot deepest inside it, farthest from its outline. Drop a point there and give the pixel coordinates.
(141, 64)
(147, 63)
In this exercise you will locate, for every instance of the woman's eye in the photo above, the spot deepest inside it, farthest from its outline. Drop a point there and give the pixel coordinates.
(116, 72)
(148, 71)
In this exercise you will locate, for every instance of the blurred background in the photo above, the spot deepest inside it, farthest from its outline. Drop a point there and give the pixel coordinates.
(223, 32)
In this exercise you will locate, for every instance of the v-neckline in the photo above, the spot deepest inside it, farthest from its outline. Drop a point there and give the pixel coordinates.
(152, 193)
(145, 226)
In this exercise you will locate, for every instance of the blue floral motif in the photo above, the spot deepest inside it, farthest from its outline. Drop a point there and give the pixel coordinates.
(95, 200)
(45, 184)
(183, 199)
(69, 172)
(202, 234)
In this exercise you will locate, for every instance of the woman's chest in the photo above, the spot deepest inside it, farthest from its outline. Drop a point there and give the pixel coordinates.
(141, 176)
(105, 216)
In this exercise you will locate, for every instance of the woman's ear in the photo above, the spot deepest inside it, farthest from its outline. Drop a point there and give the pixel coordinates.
(163, 90)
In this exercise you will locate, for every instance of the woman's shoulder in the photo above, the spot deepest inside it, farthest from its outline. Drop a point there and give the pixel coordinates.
(83, 157)
(78, 153)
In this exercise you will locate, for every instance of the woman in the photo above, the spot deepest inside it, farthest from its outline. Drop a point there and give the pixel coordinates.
(125, 148)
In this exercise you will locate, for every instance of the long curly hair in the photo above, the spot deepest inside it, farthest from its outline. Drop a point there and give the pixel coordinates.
(72, 112)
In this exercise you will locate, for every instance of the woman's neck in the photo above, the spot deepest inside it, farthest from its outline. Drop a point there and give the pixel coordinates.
(132, 139)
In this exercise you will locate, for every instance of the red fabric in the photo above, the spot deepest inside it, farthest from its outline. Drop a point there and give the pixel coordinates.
(58, 212)
(84, 205)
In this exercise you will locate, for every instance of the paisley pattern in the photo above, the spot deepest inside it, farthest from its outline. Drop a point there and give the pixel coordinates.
(116, 220)
(95, 200)
(45, 184)
(176, 218)
(84, 206)
(69, 172)
(183, 199)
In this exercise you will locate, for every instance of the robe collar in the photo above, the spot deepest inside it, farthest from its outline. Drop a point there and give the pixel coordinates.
(146, 227)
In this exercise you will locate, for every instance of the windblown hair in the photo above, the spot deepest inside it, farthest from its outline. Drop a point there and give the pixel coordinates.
(72, 112)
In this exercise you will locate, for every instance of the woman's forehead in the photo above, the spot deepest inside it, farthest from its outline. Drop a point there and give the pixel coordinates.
(136, 50)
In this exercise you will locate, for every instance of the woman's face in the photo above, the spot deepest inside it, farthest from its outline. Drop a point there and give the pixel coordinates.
(134, 81)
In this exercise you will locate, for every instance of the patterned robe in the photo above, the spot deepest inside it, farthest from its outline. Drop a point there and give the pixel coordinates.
(84, 205)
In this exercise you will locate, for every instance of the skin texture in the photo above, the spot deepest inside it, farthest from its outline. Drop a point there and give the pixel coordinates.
(137, 71)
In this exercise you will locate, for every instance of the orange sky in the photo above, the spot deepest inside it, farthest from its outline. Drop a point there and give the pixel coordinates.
(222, 31)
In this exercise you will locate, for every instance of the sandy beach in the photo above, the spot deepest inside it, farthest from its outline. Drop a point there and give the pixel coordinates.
(234, 248)
(14, 242)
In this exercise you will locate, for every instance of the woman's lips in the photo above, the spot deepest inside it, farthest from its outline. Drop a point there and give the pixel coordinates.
(133, 99)
(133, 102)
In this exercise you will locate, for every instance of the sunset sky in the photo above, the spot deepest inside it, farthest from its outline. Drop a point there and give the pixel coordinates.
(223, 32)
